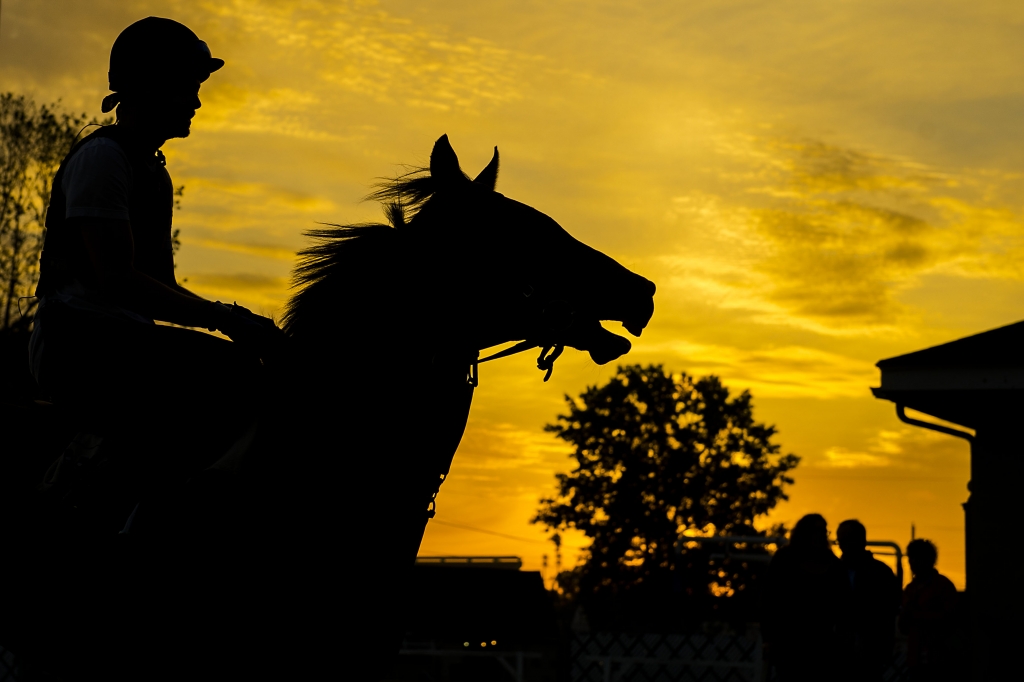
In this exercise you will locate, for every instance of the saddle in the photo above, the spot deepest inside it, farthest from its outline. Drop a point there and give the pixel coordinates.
(101, 476)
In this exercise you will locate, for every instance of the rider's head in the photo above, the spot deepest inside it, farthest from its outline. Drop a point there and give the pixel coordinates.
(156, 68)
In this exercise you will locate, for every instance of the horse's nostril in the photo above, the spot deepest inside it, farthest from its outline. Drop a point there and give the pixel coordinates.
(651, 287)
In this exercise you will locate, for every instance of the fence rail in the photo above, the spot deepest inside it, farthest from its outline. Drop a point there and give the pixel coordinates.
(604, 657)
(666, 658)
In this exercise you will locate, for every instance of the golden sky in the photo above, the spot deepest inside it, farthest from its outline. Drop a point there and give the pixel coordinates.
(813, 185)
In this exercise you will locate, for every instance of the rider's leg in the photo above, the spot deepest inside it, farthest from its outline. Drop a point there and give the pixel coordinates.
(178, 384)
(175, 398)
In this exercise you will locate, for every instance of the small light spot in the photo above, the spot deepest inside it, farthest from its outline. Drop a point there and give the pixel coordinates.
(494, 643)
(465, 644)
(483, 643)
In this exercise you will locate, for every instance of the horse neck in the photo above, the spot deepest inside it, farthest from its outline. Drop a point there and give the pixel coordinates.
(382, 369)
(397, 393)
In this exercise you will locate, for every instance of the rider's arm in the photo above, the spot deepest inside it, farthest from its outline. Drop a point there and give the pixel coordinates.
(182, 290)
(97, 183)
(168, 277)
(112, 251)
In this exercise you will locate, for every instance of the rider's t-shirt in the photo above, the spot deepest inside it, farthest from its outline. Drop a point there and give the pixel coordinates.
(97, 183)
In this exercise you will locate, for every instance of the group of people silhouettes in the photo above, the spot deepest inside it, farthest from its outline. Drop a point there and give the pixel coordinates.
(832, 618)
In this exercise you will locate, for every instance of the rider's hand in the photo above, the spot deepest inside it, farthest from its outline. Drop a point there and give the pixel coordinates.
(249, 315)
(243, 326)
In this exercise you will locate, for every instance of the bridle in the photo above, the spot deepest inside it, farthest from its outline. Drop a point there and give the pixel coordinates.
(561, 314)
(549, 352)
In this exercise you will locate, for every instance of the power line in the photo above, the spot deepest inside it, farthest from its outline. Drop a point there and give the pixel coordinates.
(500, 535)
(488, 532)
(840, 477)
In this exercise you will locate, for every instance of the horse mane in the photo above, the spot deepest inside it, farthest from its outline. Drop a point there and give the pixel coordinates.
(343, 259)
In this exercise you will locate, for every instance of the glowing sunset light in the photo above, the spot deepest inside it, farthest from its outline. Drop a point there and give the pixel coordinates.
(811, 189)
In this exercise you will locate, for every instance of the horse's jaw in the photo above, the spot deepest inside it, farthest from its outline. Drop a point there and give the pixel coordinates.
(602, 345)
(633, 306)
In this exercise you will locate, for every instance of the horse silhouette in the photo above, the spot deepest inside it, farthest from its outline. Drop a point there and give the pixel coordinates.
(290, 556)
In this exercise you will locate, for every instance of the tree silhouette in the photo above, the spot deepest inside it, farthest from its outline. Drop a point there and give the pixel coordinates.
(33, 141)
(659, 457)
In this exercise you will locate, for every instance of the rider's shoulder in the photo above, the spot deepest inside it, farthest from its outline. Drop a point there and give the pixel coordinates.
(97, 158)
(100, 149)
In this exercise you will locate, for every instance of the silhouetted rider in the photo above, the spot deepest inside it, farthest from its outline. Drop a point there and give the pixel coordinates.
(107, 274)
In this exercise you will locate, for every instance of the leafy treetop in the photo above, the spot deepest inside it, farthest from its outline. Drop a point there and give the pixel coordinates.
(660, 456)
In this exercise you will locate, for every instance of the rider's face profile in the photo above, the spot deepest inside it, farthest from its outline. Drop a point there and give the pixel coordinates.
(175, 107)
(167, 111)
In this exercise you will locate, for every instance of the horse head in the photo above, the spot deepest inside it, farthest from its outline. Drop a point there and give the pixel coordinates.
(466, 268)
(513, 273)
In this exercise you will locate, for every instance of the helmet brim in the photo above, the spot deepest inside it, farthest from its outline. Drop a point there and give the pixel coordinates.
(213, 64)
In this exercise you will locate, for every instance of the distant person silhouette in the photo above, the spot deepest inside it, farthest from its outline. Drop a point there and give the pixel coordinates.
(868, 622)
(803, 597)
(928, 616)
(107, 274)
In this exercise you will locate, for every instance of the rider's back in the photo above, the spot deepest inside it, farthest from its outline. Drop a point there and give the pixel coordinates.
(106, 176)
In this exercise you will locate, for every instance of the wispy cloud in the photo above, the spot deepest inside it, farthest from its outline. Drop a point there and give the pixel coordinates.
(274, 251)
(206, 191)
(827, 239)
(775, 372)
(497, 446)
(263, 293)
(909, 450)
(361, 48)
(842, 458)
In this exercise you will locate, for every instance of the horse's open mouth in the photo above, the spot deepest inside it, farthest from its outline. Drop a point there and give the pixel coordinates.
(603, 345)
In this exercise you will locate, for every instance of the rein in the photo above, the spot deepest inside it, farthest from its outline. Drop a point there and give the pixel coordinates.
(545, 361)
(558, 315)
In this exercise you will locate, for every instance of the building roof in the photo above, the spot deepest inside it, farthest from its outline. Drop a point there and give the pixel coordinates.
(1002, 347)
(975, 380)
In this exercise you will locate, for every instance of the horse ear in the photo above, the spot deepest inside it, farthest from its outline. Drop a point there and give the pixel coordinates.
(489, 176)
(444, 164)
